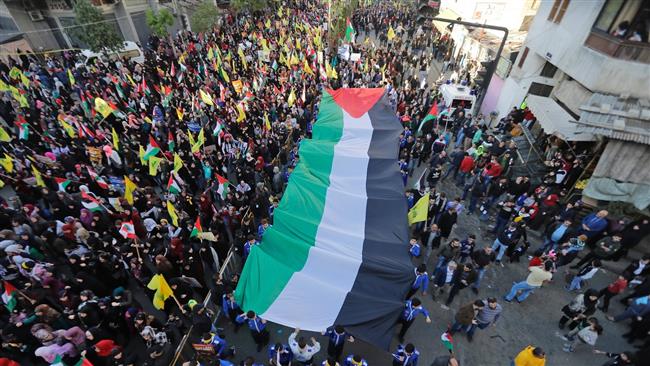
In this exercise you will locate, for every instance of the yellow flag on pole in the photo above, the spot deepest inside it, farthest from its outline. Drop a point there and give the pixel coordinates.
(292, 98)
(178, 163)
(7, 163)
(154, 163)
(242, 113)
(129, 188)
(172, 213)
(420, 211)
(200, 140)
(306, 68)
(4, 136)
(163, 291)
(116, 140)
(242, 57)
(102, 107)
(190, 138)
(39, 178)
(206, 98)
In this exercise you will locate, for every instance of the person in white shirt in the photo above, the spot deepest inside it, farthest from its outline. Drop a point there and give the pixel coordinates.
(302, 352)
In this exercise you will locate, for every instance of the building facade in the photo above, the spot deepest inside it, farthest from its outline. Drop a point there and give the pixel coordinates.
(477, 45)
(584, 71)
(44, 24)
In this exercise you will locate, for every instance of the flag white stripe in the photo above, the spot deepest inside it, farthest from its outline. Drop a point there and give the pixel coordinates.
(333, 263)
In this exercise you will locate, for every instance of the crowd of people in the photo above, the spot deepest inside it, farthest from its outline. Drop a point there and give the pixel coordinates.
(116, 172)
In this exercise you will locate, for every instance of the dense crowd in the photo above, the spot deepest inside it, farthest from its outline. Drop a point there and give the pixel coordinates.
(117, 172)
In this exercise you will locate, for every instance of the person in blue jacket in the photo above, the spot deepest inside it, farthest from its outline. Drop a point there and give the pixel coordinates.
(406, 355)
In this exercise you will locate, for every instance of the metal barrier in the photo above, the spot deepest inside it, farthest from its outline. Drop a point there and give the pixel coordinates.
(227, 268)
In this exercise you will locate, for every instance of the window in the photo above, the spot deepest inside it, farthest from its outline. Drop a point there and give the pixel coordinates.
(626, 20)
(542, 90)
(549, 70)
(522, 59)
(558, 10)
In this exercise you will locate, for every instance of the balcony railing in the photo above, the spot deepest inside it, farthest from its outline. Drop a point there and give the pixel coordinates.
(618, 48)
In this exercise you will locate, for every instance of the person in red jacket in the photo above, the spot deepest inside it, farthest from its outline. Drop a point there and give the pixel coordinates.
(612, 290)
(492, 170)
(466, 165)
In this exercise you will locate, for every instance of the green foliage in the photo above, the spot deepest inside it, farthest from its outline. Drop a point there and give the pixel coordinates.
(205, 16)
(91, 28)
(341, 11)
(160, 23)
(250, 5)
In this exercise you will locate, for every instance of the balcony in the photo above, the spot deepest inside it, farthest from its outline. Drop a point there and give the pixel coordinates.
(618, 48)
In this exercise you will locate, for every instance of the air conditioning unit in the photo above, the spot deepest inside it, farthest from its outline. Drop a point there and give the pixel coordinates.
(35, 15)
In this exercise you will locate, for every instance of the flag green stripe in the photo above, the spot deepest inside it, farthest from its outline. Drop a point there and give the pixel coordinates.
(269, 267)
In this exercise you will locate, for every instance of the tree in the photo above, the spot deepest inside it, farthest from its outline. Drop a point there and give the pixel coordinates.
(91, 28)
(251, 5)
(340, 11)
(160, 23)
(205, 16)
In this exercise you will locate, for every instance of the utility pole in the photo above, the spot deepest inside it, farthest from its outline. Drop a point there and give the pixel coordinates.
(492, 68)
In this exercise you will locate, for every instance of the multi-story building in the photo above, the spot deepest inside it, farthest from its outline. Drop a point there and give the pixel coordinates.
(474, 45)
(584, 71)
(44, 24)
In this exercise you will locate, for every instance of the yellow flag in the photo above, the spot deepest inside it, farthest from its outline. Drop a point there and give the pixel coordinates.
(294, 60)
(280, 12)
(39, 178)
(129, 188)
(102, 107)
(128, 76)
(420, 211)
(4, 136)
(335, 75)
(242, 113)
(206, 98)
(306, 68)
(2, 184)
(71, 77)
(224, 75)
(154, 163)
(268, 24)
(7, 163)
(172, 213)
(116, 140)
(242, 57)
(141, 154)
(267, 122)
(68, 129)
(190, 138)
(200, 140)
(24, 79)
(163, 291)
(265, 45)
(178, 163)
(292, 98)
(179, 113)
(298, 46)
(391, 33)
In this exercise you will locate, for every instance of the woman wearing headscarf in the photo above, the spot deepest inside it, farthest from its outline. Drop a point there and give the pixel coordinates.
(580, 308)
(86, 218)
(49, 353)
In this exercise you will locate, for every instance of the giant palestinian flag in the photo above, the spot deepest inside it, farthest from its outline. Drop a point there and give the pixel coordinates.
(337, 253)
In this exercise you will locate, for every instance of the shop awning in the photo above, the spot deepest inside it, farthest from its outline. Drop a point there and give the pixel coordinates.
(445, 14)
(622, 174)
(555, 120)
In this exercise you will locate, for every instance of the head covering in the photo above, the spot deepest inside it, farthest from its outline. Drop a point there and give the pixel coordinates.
(105, 347)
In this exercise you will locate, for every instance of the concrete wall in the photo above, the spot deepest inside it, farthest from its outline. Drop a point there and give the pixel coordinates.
(505, 13)
(563, 46)
(38, 34)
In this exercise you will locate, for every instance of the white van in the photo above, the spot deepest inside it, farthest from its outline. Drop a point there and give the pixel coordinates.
(130, 50)
(456, 94)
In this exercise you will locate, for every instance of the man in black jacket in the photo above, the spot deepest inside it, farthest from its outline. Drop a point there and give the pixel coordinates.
(506, 239)
(463, 277)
